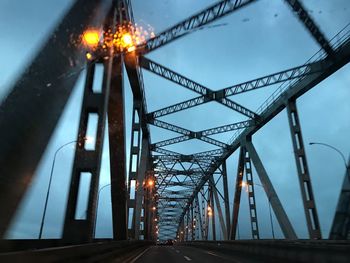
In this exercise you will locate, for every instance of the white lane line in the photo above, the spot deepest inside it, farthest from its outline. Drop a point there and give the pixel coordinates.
(140, 255)
(187, 258)
(177, 251)
(215, 255)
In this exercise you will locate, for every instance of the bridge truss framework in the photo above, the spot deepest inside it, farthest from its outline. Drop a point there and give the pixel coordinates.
(184, 202)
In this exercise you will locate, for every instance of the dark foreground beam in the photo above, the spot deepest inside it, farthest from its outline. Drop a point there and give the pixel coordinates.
(107, 251)
(29, 114)
(280, 250)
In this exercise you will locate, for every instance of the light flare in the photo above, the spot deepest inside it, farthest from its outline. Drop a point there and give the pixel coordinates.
(91, 38)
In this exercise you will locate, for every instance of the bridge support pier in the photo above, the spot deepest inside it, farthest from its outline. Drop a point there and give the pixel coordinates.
(278, 209)
(309, 203)
(87, 161)
(238, 192)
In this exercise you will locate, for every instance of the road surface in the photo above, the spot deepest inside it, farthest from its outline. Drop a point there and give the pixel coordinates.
(178, 254)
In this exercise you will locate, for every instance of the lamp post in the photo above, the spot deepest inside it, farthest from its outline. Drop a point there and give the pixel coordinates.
(98, 198)
(270, 212)
(347, 168)
(49, 187)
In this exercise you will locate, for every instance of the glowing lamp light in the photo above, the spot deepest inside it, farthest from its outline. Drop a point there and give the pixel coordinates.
(127, 40)
(243, 184)
(88, 56)
(153, 208)
(91, 38)
(150, 182)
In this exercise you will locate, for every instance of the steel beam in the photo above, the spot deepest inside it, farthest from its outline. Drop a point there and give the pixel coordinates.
(135, 145)
(276, 103)
(251, 195)
(313, 224)
(139, 193)
(238, 191)
(304, 17)
(340, 229)
(78, 229)
(30, 112)
(116, 131)
(276, 204)
(200, 19)
(272, 79)
(226, 200)
(181, 80)
(212, 205)
(218, 208)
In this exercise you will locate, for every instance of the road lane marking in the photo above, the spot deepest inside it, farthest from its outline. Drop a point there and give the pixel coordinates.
(177, 251)
(216, 255)
(187, 258)
(140, 255)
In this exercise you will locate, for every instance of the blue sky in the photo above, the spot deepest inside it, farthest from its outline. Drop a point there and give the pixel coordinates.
(261, 39)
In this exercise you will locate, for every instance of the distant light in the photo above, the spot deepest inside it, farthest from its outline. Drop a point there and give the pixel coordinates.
(153, 208)
(127, 40)
(150, 182)
(88, 56)
(91, 38)
(244, 184)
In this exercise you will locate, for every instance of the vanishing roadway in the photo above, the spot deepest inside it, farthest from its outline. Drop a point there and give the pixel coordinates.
(178, 254)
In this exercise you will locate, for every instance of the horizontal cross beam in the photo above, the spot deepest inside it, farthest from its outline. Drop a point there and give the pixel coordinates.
(202, 18)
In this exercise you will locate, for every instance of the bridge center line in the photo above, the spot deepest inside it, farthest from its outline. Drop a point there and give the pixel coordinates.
(187, 258)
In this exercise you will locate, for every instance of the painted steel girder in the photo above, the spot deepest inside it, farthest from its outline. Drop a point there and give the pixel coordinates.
(168, 126)
(196, 21)
(179, 107)
(186, 138)
(341, 57)
(194, 86)
(275, 78)
(304, 17)
(177, 78)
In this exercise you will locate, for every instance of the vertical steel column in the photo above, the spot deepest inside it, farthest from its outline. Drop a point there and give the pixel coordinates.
(200, 218)
(116, 125)
(192, 228)
(31, 111)
(276, 204)
(227, 199)
(341, 223)
(139, 193)
(218, 207)
(149, 215)
(212, 205)
(238, 191)
(251, 196)
(87, 161)
(187, 221)
(310, 210)
(134, 167)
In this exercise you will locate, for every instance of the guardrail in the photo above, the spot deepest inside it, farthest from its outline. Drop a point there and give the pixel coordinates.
(320, 251)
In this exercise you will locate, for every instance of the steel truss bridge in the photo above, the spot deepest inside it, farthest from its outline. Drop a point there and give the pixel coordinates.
(186, 200)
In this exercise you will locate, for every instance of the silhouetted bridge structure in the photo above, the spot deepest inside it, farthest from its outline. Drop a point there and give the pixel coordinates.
(166, 194)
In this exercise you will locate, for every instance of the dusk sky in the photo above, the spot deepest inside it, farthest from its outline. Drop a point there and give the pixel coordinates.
(258, 40)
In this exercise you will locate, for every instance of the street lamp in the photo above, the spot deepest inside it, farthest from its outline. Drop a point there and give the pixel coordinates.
(270, 212)
(98, 198)
(49, 187)
(347, 168)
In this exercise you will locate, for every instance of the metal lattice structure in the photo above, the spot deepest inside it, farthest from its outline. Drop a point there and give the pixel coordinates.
(185, 202)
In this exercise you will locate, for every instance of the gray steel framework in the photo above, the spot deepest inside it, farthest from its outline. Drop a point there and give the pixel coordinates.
(180, 179)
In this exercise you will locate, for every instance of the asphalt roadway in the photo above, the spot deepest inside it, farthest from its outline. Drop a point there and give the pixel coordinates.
(178, 254)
